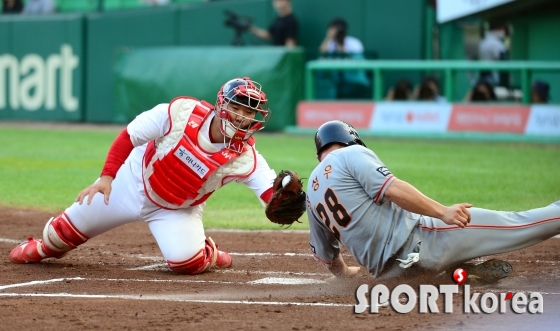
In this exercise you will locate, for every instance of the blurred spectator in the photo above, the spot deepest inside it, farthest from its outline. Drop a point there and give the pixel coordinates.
(12, 6)
(39, 7)
(401, 91)
(337, 44)
(481, 92)
(540, 92)
(283, 31)
(337, 40)
(429, 90)
(493, 48)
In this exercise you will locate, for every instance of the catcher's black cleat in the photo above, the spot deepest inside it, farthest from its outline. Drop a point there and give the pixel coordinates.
(489, 271)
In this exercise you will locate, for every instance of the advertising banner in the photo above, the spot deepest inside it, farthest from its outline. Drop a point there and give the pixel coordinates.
(476, 118)
(431, 117)
(313, 114)
(42, 79)
(410, 117)
(544, 120)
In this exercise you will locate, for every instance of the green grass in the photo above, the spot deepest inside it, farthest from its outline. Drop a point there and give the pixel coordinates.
(46, 168)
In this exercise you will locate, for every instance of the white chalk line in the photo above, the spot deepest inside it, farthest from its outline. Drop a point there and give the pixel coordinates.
(249, 254)
(55, 280)
(285, 281)
(176, 298)
(163, 266)
(11, 241)
(39, 282)
(179, 299)
(259, 272)
(149, 297)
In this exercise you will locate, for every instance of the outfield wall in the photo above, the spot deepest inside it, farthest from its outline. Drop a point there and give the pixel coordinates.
(42, 68)
(435, 118)
(60, 67)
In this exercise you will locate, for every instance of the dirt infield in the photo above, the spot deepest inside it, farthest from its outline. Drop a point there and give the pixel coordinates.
(119, 281)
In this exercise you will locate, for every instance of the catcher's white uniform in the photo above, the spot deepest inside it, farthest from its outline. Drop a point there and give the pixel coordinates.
(174, 166)
(179, 232)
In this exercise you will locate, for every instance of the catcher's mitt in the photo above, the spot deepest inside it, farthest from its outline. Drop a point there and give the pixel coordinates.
(288, 199)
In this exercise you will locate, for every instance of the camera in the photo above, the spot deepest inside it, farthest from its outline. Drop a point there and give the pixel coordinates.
(239, 23)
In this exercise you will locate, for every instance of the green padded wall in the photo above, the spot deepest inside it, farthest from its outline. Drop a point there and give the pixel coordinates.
(110, 34)
(147, 77)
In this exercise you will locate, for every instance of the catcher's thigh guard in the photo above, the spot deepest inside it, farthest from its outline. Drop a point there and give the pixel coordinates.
(207, 257)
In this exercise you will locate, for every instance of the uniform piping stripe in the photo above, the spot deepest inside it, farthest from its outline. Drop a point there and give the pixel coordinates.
(381, 189)
(510, 227)
(322, 261)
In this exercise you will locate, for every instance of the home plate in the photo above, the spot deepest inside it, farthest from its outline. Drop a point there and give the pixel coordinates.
(287, 281)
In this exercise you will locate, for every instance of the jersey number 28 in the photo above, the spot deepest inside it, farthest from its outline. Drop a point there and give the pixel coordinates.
(335, 210)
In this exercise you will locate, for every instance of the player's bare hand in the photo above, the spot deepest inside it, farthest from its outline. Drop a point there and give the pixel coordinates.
(458, 214)
(352, 271)
(103, 185)
(348, 273)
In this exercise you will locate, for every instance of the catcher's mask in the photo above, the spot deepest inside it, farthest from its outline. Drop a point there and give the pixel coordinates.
(245, 92)
(336, 132)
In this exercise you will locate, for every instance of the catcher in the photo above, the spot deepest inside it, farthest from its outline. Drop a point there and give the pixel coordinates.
(163, 167)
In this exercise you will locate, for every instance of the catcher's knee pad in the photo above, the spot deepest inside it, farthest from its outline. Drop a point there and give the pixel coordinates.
(60, 236)
(204, 259)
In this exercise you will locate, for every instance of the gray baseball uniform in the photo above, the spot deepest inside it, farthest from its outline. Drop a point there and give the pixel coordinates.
(346, 204)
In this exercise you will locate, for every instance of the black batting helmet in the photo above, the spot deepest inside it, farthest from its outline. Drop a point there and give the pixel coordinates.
(336, 132)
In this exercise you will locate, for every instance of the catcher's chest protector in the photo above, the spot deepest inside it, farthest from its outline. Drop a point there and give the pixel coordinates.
(176, 167)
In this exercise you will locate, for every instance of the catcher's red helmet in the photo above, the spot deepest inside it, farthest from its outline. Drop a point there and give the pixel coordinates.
(245, 92)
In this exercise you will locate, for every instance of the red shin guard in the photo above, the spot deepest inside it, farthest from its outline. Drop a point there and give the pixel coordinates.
(59, 237)
(204, 259)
